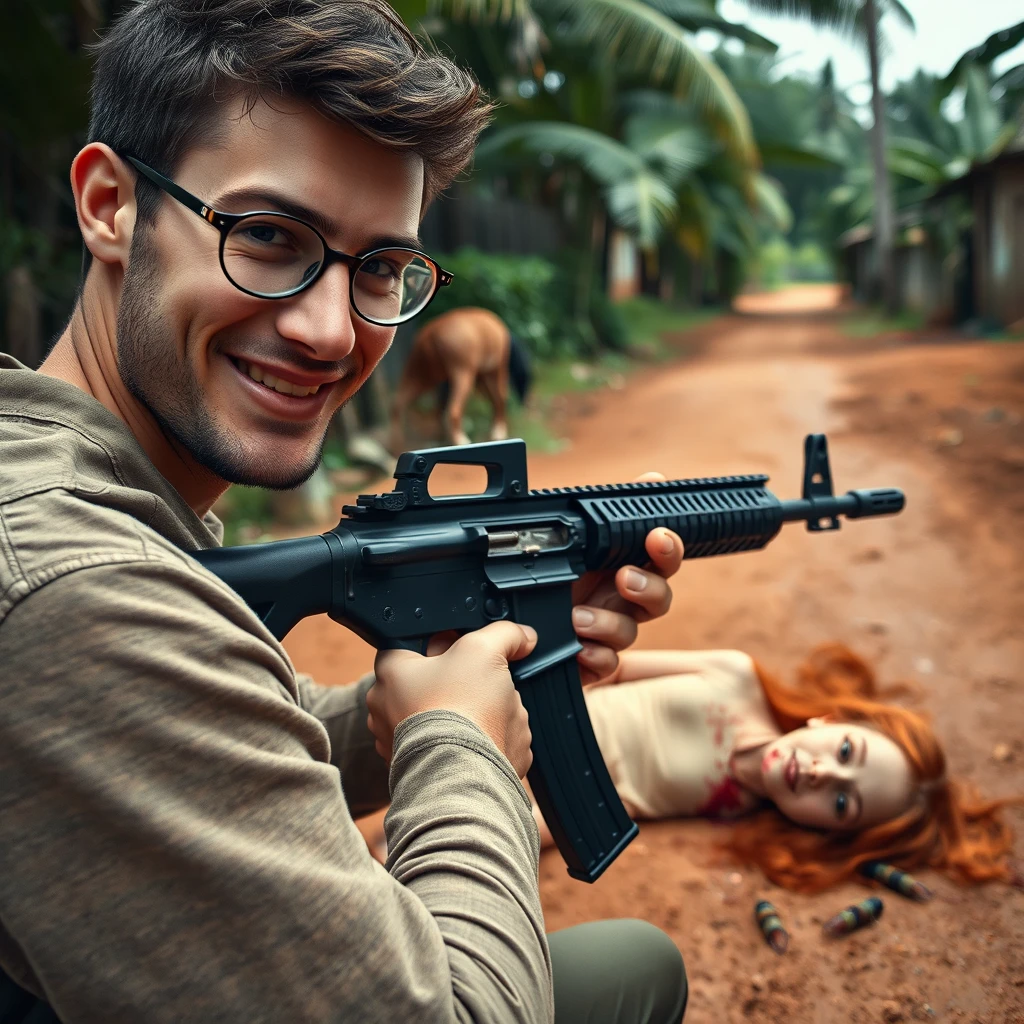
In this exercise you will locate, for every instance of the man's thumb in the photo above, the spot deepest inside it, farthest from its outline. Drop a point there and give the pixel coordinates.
(515, 640)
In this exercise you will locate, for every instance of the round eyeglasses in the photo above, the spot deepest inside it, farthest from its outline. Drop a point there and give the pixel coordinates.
(274, 255)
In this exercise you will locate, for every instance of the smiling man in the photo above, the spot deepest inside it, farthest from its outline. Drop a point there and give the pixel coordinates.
(176, 834)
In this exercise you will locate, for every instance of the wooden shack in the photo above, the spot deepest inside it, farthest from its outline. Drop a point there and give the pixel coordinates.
(978, 280)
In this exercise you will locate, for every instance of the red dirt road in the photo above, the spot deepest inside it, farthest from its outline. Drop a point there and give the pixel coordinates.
(935, 595)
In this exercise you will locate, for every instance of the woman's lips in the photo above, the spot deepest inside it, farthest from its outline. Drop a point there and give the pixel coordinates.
(792, 772)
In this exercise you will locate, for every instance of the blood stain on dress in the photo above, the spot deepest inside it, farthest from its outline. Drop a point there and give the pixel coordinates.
(726, 796)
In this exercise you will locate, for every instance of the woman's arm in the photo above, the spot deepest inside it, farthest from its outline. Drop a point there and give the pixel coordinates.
(634, 665)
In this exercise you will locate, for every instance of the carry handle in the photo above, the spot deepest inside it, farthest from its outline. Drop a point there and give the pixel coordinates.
(505, 462)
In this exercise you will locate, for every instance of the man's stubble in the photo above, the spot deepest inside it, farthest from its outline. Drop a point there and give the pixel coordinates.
(164, 382)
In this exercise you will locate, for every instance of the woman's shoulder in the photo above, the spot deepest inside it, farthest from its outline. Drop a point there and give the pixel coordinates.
(735, 670)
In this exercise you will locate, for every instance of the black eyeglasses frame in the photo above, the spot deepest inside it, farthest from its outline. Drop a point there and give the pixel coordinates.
(225, 222)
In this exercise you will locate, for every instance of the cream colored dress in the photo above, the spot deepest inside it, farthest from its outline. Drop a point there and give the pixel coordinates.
(667, 738)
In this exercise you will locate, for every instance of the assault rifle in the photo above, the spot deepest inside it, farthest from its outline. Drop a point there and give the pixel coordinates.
(404, 565)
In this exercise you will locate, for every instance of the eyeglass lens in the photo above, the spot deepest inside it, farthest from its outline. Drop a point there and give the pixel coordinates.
(273, 256)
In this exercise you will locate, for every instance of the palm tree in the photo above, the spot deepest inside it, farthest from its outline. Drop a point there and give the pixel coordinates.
(861, 17)
(599, 169)
(648, 40)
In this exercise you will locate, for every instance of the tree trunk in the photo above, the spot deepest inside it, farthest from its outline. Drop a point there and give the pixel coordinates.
(885, 262)
(24, 322)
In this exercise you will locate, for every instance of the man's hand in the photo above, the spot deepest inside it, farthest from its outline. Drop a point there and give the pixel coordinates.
(609, 606)
(470, 677)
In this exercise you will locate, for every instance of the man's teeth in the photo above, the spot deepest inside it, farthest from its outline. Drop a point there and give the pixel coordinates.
(270, 381)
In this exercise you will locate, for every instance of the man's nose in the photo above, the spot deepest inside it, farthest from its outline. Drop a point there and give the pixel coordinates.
(321, 317)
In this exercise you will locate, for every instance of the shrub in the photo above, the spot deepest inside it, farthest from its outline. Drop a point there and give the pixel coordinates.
(533, 295)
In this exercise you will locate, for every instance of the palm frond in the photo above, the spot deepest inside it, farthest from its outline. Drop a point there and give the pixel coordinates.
(995, 46)
(605, 159)
(663, 143)
(896, 7)
(695, 15)
(644, 205)
(655, 46)
(838, 14)
(772, 203)
(982, 120)
(480, 10)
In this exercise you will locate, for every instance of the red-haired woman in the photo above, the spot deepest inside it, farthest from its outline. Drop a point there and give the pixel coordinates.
(851, 777)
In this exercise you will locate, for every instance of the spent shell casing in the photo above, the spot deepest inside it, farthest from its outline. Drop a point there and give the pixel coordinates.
(852, 918)
(771, 926)
(898, 881)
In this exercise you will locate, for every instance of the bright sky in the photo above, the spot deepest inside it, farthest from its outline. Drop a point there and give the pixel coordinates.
(945, 29)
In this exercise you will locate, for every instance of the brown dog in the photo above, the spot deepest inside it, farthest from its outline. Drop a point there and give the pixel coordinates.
(456, 351)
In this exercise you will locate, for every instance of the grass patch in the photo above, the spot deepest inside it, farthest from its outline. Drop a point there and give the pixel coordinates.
(873, 322)
(648, 321)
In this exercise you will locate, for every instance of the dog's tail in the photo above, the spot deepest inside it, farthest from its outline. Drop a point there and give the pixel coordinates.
(520, 373)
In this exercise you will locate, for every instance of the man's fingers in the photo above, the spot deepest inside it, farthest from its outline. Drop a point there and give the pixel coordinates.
(649, 590)
(387, 661)
(602, 626)
(440, 642)
(511, 640)
(596, 662)
(665, 550)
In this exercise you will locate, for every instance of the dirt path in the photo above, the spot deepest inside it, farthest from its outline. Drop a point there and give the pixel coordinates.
(934, 595)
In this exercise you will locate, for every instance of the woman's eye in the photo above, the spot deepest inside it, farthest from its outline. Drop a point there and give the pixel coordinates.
(842, 802)
(845, 751)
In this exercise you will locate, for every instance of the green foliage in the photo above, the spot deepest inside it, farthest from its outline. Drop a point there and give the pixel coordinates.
(648, 321)
(779, 263)
(533, 296)
(246, 513)
(872, 323)
(772, 267)
(810, 262)
(609, 322)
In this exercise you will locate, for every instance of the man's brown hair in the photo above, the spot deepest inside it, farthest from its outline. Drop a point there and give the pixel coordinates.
(164, 64)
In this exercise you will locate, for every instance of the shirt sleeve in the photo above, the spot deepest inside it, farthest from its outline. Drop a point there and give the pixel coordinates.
(342, 712)
(175, 845)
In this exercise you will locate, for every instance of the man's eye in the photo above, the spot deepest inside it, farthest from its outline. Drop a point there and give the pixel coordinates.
(379, 268)
(842, 802)
(845, 751)
(265, 234)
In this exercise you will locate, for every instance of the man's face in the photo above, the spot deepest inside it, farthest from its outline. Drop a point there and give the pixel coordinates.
(192, 348)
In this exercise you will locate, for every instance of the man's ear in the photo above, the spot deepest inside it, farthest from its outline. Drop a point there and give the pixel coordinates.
(104, 191)
(828, 719)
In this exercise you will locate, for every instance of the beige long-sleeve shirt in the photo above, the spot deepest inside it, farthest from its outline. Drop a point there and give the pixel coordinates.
(176, 834)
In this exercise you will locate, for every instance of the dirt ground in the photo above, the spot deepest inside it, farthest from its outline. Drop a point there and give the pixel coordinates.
(935, 595)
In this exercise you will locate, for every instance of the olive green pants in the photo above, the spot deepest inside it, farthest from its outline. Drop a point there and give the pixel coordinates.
(607, 972)
(617, 972)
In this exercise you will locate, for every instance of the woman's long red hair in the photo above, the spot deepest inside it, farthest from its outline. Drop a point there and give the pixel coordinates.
(949, 827)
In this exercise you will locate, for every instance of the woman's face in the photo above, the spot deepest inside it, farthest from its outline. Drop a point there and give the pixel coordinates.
(837, 775)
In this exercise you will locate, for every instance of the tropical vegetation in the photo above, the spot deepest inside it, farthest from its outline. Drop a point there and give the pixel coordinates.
(610, 116)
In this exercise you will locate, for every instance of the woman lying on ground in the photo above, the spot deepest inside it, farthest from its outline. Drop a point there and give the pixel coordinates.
(851, 777)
